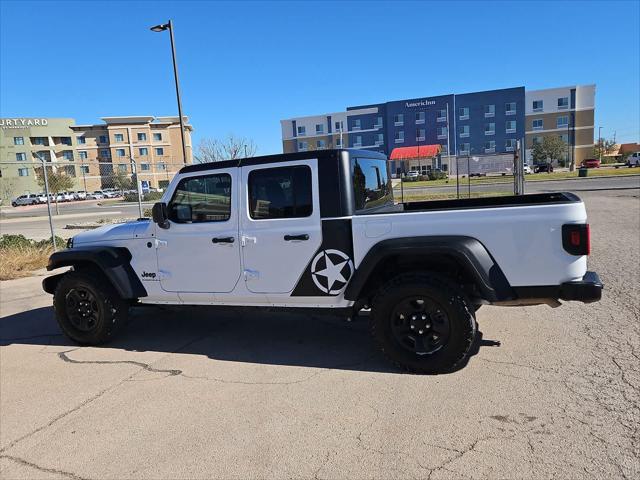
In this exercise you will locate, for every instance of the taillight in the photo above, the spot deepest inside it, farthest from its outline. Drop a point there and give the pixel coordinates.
(576, 239)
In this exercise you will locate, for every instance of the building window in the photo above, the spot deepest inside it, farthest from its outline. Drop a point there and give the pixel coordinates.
(81, 140)
(464, 131)
(465, 148)
(302, 146)
(444, 150)
(119, 137)
(399, 136)
(142, 137)
(339, 126)
(18, 140)
(538, 124)
(21, 156)
(420, 116)
(161, 166)
(120, 152)
(357, 124)
(23, 172)
(537, 105)
(102, 139)
(302, 131)
(338, 142)
(157, 137)
(442, 116)
(490, 147)
(420, 135)
(398, 119)
(40, 141)
(358, 141)
(143, 152)
(105, 153)
(563, 103)
(510, 144)
(489, 111)
(379, 139)
(378, 123)
(442, 132)
(562, 121)
(464, 113)
(489, 128)
(321, 144)
(510, 126)
(67, 155)
(564, 137)
(65, 141)
(319, 129)
(145, 167)
(510, 108)
(283, 192)
(159, 151)
(122, 168)
(537, 139)
(84, 169)
(82, 154)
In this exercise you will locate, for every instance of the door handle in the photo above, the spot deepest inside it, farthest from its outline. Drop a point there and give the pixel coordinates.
(290, 238)
(223, 240)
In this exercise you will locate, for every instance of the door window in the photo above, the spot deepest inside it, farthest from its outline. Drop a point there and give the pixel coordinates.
(283, 192)
(202, 199)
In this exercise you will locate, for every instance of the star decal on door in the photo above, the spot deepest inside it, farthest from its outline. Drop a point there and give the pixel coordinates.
(331, 270)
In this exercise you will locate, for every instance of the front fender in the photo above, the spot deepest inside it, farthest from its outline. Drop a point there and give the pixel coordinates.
(113, 262)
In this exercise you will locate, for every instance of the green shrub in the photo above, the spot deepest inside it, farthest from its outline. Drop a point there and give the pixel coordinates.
(146, 197)
(22, 242)
(437, 175)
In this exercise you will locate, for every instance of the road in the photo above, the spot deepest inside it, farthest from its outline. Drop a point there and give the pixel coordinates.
(549, 393)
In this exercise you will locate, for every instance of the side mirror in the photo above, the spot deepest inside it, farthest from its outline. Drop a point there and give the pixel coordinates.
(160, 215)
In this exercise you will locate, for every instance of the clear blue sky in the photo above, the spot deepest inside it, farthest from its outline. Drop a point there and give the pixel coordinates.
(244, 66)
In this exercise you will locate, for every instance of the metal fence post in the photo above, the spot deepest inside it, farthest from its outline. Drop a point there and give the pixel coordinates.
(134, 169)
(46, 192)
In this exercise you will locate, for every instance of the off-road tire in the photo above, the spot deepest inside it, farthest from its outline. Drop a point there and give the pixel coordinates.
(110, 311)
(449, 298)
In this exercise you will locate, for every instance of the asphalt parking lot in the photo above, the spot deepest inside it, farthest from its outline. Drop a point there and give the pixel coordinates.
(549, 393)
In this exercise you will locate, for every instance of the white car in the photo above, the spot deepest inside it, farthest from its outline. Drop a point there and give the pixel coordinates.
(110, 193)
(79, 195)
(527, 169)
(28, 199)
(413, 174)
(67, 196)
(634, 160)
(321, 231)
(97, 195)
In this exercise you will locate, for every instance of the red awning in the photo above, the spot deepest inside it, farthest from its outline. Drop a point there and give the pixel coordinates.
(420, 151)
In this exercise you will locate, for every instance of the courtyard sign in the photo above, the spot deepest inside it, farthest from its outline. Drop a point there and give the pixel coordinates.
(23, 122)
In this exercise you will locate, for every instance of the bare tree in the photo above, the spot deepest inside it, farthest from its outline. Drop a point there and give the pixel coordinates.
(229, 148)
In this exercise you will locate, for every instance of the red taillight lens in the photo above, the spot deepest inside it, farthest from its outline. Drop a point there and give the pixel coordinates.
(576, 239)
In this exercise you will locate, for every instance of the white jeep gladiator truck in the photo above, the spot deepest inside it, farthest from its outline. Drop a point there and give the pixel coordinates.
(320, 231)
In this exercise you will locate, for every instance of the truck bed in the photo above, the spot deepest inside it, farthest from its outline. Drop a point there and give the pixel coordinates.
(493, 202)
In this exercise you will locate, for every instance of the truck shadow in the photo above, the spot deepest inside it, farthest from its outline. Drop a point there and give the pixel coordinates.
(241, 336)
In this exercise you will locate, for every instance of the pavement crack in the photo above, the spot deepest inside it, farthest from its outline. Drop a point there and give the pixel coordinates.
(145, 366)
(56, 471)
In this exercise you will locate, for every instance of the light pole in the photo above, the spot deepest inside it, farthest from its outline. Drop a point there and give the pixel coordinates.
(162, 28)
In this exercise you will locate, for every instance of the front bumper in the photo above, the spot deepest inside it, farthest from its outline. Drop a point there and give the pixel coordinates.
(587, 290)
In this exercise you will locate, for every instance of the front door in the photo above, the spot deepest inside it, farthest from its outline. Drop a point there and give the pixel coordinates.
(200, 251)
(280, 224)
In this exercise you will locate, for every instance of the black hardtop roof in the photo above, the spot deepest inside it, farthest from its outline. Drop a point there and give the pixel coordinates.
(281, 157)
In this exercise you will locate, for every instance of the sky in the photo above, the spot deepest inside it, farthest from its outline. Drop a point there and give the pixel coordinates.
(244, 66)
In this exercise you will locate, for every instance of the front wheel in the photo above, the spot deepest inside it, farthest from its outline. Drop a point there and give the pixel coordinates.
(423, 323)
(88, 309)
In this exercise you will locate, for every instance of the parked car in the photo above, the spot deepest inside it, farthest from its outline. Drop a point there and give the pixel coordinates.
(543, 168)
(79, 195)
(591, 163)
(527, 168)
(308, 237)
(633, 160)
(27, 199)
(97, 195)
(413, 174)
(111, 193)
(67, 196)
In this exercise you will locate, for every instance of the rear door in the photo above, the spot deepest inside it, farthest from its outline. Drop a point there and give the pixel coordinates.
(200, 252)
(280, 223)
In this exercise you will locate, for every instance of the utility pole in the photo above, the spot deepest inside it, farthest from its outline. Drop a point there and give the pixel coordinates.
(600, 143)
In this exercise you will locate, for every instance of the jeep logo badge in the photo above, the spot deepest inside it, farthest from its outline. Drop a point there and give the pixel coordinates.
(148, 275)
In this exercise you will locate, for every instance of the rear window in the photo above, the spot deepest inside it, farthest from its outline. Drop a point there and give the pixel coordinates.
(371, 183)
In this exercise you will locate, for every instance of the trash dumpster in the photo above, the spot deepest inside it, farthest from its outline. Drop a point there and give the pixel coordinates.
(582, 172)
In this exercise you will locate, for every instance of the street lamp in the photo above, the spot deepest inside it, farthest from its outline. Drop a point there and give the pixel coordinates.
(162, 28)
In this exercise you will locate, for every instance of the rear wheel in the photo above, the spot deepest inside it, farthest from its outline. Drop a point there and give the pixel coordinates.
(423, 323)
(88, 309)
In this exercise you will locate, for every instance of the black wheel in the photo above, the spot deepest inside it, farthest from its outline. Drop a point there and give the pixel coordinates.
(423, 323)
(88, 309)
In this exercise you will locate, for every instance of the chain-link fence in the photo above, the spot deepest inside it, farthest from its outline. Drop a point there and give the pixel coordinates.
(42, 199)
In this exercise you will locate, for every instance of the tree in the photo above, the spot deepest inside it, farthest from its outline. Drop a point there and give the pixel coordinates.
(120, 181)
(228, 148)
(7, 187)
(604, 146)
(551, 148)
(59, 180)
